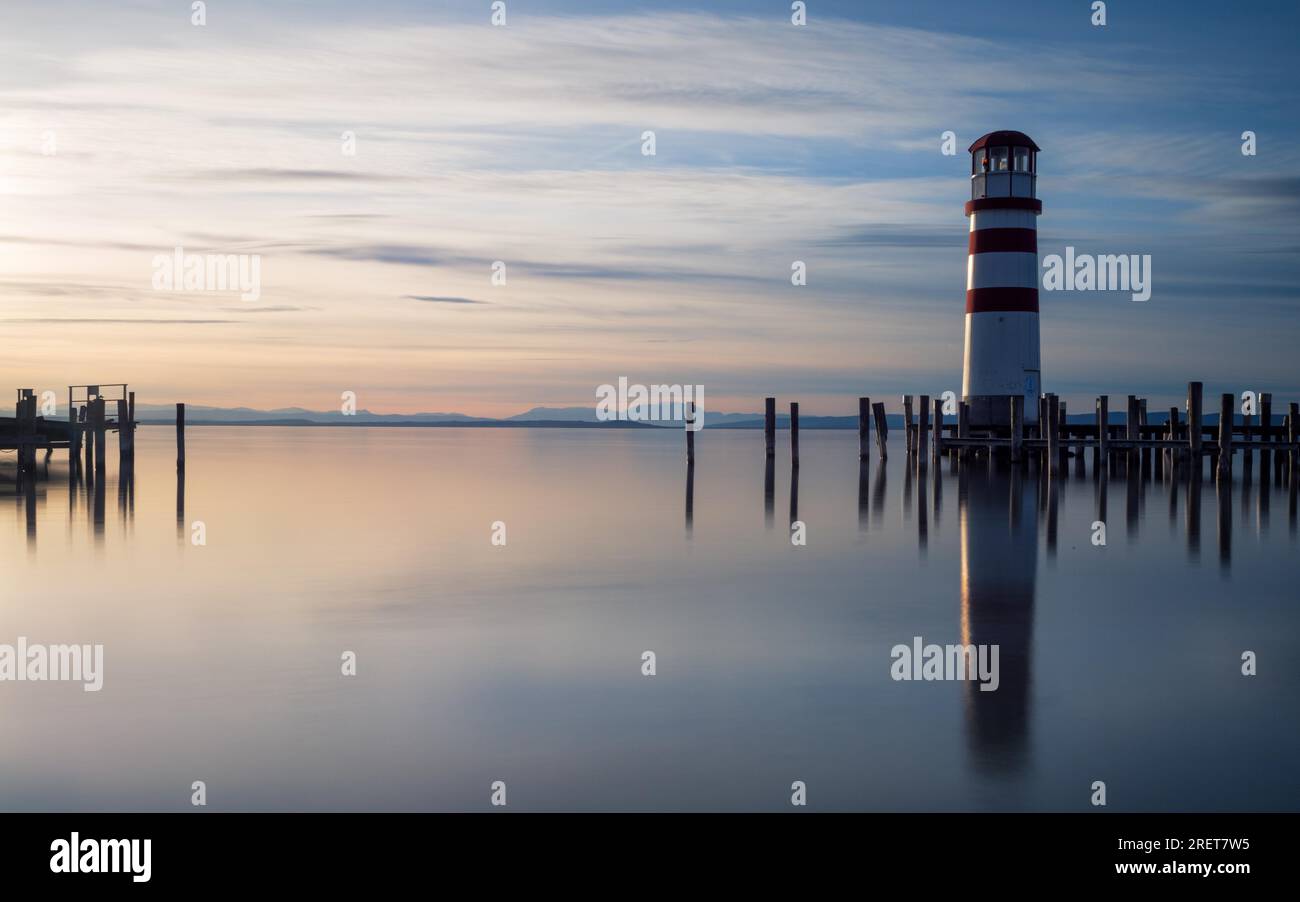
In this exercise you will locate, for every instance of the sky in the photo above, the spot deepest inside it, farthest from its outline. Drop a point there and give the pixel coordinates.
(127, 131)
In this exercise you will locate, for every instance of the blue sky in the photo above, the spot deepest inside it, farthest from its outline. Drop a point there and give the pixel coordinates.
(522, 144)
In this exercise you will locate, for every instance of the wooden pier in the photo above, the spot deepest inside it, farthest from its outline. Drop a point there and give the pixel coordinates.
(1177, 443)
(84, 434)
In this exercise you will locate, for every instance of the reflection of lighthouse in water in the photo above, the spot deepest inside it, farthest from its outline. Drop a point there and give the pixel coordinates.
(999, 559)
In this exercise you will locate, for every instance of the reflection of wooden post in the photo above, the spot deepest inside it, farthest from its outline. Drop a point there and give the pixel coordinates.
(769, 425)
(1017, 426)
(1225, 434)
(180, 436)
(794, 433)
(690, 432)
(864, 424)
(882, 428)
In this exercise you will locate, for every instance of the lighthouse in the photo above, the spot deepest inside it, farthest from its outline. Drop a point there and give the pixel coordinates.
(1001, 359)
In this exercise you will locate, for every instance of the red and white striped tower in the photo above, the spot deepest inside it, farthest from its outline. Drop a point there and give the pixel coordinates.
(1002, 358)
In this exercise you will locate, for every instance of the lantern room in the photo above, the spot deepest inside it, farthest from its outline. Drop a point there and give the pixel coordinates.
(1003, 164)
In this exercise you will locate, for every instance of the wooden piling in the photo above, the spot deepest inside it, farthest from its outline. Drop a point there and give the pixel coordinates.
(1194, 423)
(1225, 434)
(689, 422)
(1063, 427)
(74, 449)
(123, 433)
(864, 428)
(101, 434)
(882, 429)
(180, 436)
(1017, 426)
(1292, 423)
(923, 428)
(88, 433)
(907, 423)
(25, 420)
(1131, 420)
(794, 433)
(130, 417)
(1265, 428)
(1103, 429)
(1172, 429)
(769, 426)
(938, 431)
(1053, 436)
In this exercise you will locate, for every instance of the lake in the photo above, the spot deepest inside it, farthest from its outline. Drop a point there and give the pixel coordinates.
(522, 662)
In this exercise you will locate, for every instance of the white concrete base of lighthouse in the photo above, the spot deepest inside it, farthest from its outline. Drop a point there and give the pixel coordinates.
(1001, 361)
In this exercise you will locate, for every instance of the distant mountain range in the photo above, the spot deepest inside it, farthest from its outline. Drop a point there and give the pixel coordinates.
(547, 417)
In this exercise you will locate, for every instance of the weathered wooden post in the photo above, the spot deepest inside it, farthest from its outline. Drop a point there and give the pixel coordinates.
(1063, 426)
(25, 421)
(1194, 423)
(864, 427)
(88, 433)
(923, 428)
(1225, 434)
(689, 423)
(769, 426)
(938, 432)
(963, 427)
(1103, 430)
(1292, 423)
(794, 433)
(1053, 435)
(74, 450)
(125, 445)
(907, 423)
(130, 416)
(882, 429)
(180, 436)
(1142, 434)
(1265, 429)
(1173, 430)
(101, 434)
(1017, 426)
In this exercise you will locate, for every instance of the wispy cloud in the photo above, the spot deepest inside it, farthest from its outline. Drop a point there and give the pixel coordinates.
(432, 299)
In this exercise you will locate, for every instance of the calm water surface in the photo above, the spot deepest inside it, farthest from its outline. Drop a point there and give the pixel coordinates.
(522, 663)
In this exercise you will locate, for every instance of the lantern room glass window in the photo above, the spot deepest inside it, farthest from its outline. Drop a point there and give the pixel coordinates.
(999, 160)
(1022, 159)
(979, 161)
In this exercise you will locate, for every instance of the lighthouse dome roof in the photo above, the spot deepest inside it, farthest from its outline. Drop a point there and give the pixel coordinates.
(1004, 139)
